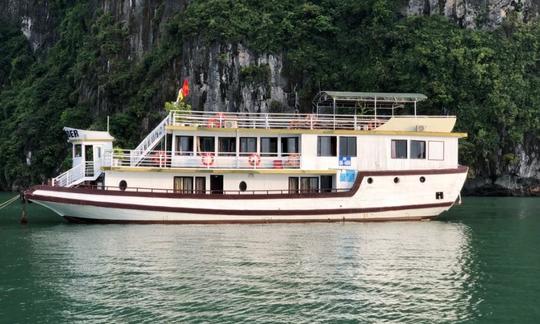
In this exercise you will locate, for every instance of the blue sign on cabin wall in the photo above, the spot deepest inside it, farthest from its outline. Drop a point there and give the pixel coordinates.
(344, 161)
(347, 176)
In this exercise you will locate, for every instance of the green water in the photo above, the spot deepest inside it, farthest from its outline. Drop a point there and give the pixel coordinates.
(479, 263)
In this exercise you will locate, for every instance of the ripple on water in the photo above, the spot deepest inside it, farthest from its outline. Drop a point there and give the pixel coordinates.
(406, 272)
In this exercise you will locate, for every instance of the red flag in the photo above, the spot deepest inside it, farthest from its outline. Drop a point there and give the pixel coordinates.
(185, 88)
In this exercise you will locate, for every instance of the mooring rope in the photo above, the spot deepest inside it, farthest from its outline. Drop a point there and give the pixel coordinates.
(7, 202)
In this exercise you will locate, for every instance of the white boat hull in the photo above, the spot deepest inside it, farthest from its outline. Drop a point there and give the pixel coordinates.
(380, 200)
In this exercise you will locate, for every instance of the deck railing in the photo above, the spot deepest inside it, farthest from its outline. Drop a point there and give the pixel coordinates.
(219, 160)
(77, 174)
(276, 120)
(208, 192)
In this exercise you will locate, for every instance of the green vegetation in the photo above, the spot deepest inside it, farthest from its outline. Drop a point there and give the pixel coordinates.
(490, 79)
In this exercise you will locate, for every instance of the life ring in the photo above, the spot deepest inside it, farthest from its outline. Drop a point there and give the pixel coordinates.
(216, 122)
(207, 158)
(254, 160)
(293, 160)
(159, 157)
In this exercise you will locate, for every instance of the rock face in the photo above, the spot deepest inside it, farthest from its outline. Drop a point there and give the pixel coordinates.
(520, 178)
(476, 13)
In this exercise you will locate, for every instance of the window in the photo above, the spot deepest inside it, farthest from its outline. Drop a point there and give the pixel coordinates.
(418, 149)
(78, 150)
(99, 152)
(293, 185)
(207, 144)
(326, 146)
(184, 145)
(200, 185)
(242, 186)
(227, 146)
(122, 185)
(269, 146)
(399, 149)
(309, 184)
(289, 145)
(183, 184)
(248, 145)
(436, 150)
(347, 146)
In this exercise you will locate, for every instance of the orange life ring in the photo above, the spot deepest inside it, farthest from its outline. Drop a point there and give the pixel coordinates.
(159, 157)
(207, 158)
(293, 160)
(254, 160)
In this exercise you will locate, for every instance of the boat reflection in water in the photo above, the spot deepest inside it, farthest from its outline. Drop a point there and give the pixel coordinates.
(407, 271)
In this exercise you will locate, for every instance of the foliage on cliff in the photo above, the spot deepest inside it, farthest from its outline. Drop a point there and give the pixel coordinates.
(490, 79)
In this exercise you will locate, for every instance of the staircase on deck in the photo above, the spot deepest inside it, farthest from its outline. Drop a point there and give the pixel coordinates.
(88, 171)
(150, 141)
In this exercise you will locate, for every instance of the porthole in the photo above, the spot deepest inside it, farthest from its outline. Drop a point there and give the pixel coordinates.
(370, 180)
(122, 185)
(422, 179)
(242, 186)
(396, 180)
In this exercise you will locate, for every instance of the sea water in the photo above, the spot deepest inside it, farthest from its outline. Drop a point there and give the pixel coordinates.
(480, 262)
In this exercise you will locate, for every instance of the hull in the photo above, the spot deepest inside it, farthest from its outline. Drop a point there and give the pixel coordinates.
(379, 199)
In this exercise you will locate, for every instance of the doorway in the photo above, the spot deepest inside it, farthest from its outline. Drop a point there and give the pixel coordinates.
(89, 158)
(326, 183)
(216, 184)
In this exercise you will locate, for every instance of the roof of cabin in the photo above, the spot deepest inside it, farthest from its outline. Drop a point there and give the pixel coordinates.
(372, 96)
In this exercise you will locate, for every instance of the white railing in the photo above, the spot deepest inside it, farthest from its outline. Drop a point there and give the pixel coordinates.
(277, 120)
(220, 160)
(82, 172)
(151, 140)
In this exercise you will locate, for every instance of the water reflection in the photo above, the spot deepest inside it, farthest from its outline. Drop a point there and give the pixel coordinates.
(417, 271)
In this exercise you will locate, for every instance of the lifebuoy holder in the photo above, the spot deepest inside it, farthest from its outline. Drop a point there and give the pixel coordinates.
(254, 160)
(159, 157)
(208, 158)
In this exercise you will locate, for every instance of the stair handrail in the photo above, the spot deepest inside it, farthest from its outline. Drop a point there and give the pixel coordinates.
(148, 143)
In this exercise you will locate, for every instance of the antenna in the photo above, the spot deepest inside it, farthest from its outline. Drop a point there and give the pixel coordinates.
(107, 124)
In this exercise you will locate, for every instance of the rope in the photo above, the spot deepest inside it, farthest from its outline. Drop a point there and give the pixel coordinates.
(8, 202)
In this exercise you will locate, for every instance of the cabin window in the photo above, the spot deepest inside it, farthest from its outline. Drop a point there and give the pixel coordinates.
(99, 152)
(78, 150)
(309, 184)
(207, 144)
(242, 186)
(436, 150)
(347, 146)
(289, 145)
(183, 184)
(418, 149)
(122, 185)
(294, 186)
(184, 145)
(227, 146)
(200, 185)
(326, 146)
(269, 146)
(248, 145)
(399, 149)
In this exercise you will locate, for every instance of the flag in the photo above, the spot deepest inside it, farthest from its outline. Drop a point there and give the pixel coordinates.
(180, 96)
(185, 88)
(183, 92)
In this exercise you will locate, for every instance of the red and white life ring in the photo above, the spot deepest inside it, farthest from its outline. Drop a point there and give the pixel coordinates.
(254, 160)
(159, 157)
(207, 158)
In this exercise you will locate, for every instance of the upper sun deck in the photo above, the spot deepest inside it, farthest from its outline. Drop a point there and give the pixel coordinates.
(332, 111)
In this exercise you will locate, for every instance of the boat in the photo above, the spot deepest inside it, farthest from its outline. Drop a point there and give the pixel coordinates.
(358, 156)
